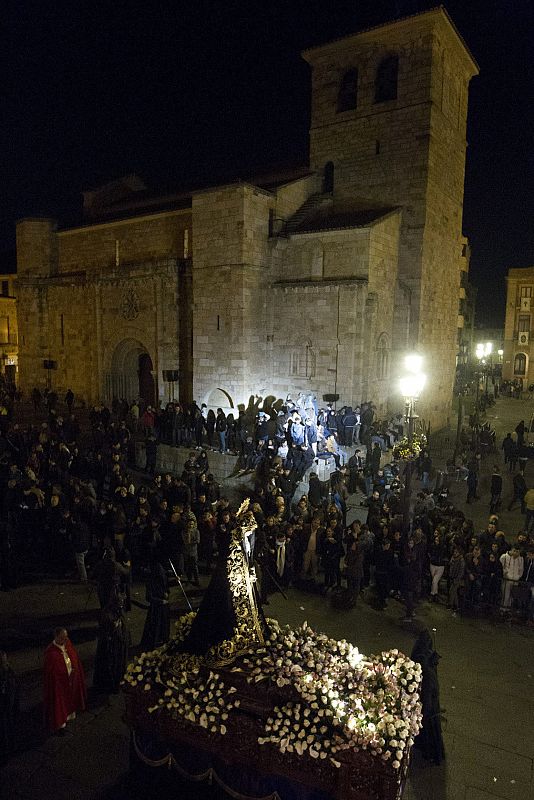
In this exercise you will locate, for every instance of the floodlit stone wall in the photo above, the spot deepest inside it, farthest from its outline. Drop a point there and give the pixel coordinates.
(407, 152)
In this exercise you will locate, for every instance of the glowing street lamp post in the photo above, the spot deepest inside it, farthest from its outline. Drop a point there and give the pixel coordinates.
(411, 386)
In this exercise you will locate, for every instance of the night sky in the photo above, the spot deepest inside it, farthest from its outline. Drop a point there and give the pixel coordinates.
(183, 93)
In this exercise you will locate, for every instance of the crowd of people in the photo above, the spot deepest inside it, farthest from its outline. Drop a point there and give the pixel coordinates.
(74, 505)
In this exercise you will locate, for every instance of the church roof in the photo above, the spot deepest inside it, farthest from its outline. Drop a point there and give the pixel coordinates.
(335, 219)
(129, 196)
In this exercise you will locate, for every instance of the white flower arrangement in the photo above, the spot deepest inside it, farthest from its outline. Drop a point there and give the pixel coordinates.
(339, 699)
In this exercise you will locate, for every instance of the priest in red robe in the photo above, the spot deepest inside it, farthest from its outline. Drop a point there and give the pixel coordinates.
(65, 691)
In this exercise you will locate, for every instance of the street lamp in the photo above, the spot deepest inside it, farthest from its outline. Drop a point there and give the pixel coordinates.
(411, 385)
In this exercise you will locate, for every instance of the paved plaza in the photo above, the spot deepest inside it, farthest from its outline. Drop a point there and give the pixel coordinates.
(486, 674)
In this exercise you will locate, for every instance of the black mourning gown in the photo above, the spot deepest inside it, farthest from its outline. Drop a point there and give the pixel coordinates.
(429, 739)
(229, 618)
(111, 651)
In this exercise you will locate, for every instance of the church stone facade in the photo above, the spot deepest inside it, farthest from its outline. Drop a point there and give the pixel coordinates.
(314, 281)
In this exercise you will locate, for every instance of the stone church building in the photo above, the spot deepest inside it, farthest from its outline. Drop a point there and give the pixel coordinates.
(317, 280)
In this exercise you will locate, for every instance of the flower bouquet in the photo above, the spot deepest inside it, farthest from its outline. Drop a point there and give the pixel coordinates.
(403, 451)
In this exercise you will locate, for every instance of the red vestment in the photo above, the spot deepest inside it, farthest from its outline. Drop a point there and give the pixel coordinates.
(63, 693)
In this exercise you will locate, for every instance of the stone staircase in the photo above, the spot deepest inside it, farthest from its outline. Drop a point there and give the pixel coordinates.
(314, 203)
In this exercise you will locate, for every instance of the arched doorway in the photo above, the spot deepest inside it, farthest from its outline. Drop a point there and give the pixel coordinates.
(131, 373)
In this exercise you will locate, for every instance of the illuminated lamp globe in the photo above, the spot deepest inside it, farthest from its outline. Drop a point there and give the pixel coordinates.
(413, 363)
(412, 385)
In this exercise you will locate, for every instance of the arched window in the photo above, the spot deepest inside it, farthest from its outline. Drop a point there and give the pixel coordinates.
(386, 79)
(328, 178)
(382, 357)
(520, 364)
(302, 361)
(347, 98)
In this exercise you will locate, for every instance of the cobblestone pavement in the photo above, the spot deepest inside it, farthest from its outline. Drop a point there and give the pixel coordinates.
(486, 675)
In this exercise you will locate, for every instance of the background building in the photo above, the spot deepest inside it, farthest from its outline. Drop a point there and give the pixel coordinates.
(313, 281)
(518, 328)
(8, 328)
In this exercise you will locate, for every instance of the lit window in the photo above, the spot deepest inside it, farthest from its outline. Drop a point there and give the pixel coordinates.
(386, 79)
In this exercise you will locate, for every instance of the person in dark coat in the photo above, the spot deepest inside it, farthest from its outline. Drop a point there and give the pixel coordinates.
(409, 575)
(520, 489)
(429, 740)
(9, 707)
(151, 451)
(112, 646)
(383, 571)
(495, 489)
(354, 565)
(331, 551)
(507, 447)
(472, 483)
(157, 624)
(521, 430)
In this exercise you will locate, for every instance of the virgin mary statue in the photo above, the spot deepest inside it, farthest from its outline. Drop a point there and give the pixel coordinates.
(229, 619)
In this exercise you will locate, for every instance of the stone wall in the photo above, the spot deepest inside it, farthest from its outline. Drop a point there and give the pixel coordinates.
(230, 267)
(407, 152)
(144, 238)
(81, 323)
(172, 459)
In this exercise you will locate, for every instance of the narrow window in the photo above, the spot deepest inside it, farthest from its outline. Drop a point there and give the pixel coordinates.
(271, 222)
(218, 322)
(386, 79)
(377, 147)
(520, 364)
(186, 243)
(62, 329)
(328, 178)
(347, 98)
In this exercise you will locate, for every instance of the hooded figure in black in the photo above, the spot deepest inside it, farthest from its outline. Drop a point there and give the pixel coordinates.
(429, 740)
(9, 707)
(158, 622)
(112, 647)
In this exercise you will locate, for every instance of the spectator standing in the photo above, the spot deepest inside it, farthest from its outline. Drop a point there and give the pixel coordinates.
(69, 399)
(520, 490)
(507, 447)
(456, 577)
(220, 427)
(438, 559)
(512, 571)
(495, 489)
